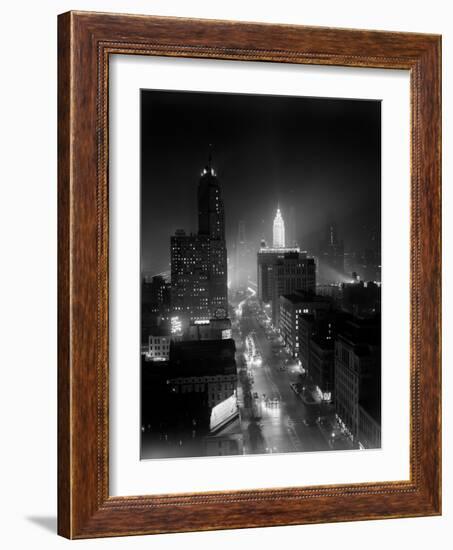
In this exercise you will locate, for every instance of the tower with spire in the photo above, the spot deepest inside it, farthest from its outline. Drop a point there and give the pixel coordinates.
(211, 223)
(282, 270)
(211, 219)
(279, 230)
(199, 262)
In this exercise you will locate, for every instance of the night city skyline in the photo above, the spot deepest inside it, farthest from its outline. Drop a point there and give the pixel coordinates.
(322, 154)
(260, 274)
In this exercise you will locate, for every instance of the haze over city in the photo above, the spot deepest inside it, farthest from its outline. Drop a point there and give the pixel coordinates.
(260, 275)
(320, 156)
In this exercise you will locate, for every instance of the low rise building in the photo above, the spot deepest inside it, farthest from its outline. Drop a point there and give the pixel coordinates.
(207, 367)
(213, 329)
(158, 347)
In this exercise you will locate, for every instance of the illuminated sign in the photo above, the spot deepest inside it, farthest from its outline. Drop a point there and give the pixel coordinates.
(223, 412)
(176, 325)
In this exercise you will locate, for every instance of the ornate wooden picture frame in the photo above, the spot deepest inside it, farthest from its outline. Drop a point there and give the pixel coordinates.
(85, 42)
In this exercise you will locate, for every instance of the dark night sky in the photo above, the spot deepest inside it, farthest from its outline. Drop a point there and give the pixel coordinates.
(322, 156)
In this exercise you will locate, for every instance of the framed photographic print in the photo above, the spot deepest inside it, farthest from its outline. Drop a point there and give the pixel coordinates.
(249, 275)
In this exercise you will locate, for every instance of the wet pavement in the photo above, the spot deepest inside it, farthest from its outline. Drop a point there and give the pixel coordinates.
(274, 418)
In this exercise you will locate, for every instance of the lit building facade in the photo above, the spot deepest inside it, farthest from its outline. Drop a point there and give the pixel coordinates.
(158, 348)
(292, 306)
(211, 224)
(283, 271)
(294, 272)
(317, 333)
(199, 262)
(190, 276)
(279, 230)
(267, 259)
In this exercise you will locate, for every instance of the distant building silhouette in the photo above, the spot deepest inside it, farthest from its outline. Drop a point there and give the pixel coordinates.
(204, 366)
(361, 299)
(242, 261)
(331, 256)
(156, 305)
(291, 234)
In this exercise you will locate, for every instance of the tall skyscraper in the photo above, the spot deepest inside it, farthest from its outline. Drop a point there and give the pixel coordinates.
(189, 258)
(211, 220)
(199, 262)
(279, 230)
(211, 223)
(282, 270)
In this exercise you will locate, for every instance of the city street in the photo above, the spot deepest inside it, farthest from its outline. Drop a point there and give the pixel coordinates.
(273, 416)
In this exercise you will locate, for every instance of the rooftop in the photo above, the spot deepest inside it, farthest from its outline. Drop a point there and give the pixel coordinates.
(280, 250)
(304, 297)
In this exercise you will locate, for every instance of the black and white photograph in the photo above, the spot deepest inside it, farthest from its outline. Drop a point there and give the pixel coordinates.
(202, 203)
(260, 274)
